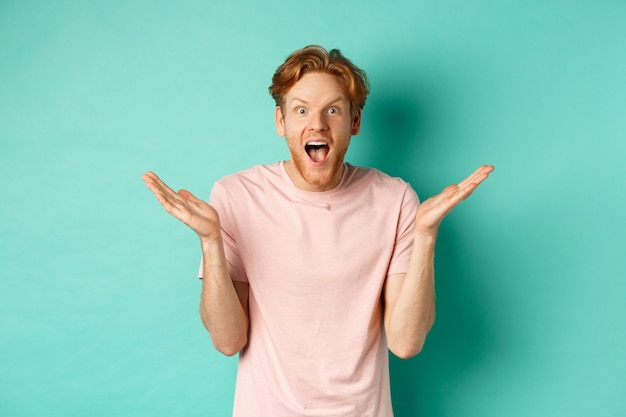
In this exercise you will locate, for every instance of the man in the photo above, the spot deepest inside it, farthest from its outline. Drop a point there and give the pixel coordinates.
(312, 268)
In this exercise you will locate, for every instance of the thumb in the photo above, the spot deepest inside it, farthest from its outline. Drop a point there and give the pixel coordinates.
(186, 194)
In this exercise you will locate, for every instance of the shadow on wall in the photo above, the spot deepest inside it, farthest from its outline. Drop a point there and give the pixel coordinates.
(401, 123)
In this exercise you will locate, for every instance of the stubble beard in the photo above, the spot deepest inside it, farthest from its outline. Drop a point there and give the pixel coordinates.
(324, 179)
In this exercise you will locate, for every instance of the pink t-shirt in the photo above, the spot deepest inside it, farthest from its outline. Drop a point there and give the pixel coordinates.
(316, 263)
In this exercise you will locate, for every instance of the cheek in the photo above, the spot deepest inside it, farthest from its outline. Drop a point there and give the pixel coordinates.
(291, 128)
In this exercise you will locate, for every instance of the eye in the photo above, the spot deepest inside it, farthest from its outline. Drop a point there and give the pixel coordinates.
(333, 110)
(300, 110)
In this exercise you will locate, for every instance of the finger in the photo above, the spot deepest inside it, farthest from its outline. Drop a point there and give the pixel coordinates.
(455, 193)
(167, 199)
(469, 185)
(477, 176)
(152, 178)
(157, 186)
(187, 195)
(452, 195)
(447, 193)
(460, 188)
(171, 201)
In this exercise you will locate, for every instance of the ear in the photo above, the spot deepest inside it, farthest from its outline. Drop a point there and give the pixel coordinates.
(356, 123)
(279, 120)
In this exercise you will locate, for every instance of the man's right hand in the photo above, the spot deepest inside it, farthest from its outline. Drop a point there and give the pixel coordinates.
(223, 303)
(195, 213)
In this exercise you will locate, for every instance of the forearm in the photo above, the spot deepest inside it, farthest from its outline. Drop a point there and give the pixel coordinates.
(221, 308)
(413, 312)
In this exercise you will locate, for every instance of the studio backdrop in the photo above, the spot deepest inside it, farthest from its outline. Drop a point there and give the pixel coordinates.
(99, 295)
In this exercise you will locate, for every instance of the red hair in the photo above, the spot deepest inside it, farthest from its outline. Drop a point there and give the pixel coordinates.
(314, 58)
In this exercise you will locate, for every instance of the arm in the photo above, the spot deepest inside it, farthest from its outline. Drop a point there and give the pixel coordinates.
(410, 298)
(223, 303)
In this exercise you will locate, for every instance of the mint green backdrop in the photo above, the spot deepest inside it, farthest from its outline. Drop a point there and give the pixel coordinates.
(98, 291)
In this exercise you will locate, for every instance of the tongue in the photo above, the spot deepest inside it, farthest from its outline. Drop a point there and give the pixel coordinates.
(317, 153)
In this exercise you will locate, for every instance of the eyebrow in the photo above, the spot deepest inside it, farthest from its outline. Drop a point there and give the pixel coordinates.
(303, 101)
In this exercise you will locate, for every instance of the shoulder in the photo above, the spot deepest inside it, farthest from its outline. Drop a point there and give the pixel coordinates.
(243, 184)
(258, 179)
(379, 181)
(257, 174)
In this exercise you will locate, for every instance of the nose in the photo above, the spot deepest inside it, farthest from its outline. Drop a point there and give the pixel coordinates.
(317, 122)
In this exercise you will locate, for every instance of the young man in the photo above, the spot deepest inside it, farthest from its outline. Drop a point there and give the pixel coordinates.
(313, 268)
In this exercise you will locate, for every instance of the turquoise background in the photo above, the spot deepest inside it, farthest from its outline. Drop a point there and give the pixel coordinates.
(98, 292)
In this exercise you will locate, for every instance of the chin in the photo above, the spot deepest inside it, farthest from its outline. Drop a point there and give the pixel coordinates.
(319, 182)
(325, 179)
(322, 177)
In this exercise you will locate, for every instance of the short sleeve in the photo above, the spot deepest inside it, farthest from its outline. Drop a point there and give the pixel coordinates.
(221, 203)
(405, 232)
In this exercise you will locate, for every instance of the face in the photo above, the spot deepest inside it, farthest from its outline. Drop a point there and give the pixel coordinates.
(316, 122)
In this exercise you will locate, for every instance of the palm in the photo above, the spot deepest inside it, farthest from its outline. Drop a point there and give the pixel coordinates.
(432, 211)
(195, 213)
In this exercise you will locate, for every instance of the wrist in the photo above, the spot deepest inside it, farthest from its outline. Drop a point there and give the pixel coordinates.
(425, 237)
(210, 243)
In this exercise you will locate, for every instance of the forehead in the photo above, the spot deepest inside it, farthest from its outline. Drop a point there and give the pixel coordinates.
(317, 86)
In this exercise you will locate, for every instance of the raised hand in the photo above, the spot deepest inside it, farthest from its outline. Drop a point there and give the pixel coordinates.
(432, 211)
(195, 213)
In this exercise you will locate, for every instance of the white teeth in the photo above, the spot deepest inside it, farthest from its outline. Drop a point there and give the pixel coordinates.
(316, 143)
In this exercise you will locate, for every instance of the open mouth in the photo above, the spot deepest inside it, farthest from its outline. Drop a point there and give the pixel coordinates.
(317, 151)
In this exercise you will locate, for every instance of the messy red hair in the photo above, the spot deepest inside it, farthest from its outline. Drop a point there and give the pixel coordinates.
(314, 58)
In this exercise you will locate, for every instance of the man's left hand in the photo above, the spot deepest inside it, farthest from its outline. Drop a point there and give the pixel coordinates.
(432, 211)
